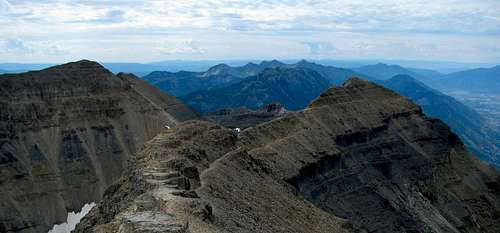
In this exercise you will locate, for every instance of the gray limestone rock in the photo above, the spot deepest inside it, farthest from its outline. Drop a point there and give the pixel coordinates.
(66, 134)
(359, 158)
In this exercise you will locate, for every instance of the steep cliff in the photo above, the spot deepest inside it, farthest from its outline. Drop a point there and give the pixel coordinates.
(359, 158)
(243, 117)
(66, 133)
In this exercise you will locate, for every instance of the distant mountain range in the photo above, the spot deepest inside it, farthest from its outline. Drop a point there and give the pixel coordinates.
(479, 81)
(184, 82)
(483, 80)
(383, 72)
(294, 88)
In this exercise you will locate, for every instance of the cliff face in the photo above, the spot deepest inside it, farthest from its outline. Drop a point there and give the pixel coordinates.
(66, 133)
(360, 158)
(243, 117)
(472, 128)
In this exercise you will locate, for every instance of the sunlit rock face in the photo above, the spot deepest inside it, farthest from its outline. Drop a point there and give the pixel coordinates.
(359, 158)
(66, 134)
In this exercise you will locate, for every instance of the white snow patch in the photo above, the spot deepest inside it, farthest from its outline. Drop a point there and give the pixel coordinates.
(73, 219)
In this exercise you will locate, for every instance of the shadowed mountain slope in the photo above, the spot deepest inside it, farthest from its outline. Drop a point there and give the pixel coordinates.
(66, 133)
(292, 87)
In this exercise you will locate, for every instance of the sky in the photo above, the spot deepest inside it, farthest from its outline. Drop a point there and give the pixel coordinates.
(153, 30)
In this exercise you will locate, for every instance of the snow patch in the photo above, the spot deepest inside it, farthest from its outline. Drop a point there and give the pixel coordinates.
(73, 219)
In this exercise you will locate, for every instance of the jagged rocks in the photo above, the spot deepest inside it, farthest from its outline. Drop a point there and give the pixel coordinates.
(243, 117)
(360, 158)
(66, 133)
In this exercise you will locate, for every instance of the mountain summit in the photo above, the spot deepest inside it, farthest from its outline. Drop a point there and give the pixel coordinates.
(66, 134)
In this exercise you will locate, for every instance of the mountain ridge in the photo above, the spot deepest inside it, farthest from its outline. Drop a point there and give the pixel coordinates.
(360, 158)
(66, 133)
(292, 87)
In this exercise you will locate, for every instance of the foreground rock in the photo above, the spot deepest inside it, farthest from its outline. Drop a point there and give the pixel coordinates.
(360, 158)
(65, 135)
(243, 117)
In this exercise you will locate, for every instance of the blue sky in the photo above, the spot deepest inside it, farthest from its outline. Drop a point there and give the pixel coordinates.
(153, 30)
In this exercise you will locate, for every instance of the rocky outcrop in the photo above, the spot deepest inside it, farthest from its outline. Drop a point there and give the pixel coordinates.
(360, 158)
(243, 117)
(66, 133)
(472, 128)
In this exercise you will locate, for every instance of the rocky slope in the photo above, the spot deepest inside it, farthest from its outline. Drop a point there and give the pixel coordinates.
(479, 137)
(294, 88)
(360, 158)
(66, 133)
(243, 117)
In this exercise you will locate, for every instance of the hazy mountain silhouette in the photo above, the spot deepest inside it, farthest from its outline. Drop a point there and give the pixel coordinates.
(294, 88)
(483, 80)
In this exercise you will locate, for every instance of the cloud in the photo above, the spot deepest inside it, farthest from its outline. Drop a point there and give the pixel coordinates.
(320, 47)
(4, 5)
(53, 49)
(186, 47)
(16, 46)
(107, 17)
(114, 29)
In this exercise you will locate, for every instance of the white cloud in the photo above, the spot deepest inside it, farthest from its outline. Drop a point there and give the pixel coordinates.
(16, 46)
(182, 48)
(12, 46)
(111, 29)
(320, 47)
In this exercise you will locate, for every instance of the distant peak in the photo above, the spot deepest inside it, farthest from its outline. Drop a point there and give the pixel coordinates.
(217, 69)
(250, 64)
(222, 65)
(271, 63)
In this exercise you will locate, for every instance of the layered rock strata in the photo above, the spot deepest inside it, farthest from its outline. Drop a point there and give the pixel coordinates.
(66, 134)
(360, 158)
